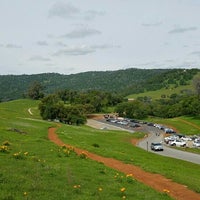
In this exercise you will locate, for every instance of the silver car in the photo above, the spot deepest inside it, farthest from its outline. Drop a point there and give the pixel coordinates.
(156, 146)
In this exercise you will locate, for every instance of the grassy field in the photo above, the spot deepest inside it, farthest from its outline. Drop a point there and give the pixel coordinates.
(185, 125)
(158, 93)
(32, 167)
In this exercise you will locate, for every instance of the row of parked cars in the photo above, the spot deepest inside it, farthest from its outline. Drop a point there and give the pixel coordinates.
(125, 122)
(182, 141)
(177, 139)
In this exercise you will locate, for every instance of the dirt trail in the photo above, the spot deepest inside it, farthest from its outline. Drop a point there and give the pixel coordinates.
(156, 181)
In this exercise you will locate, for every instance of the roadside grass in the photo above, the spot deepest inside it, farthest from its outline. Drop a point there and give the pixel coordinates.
(185, 125)
(32, 167)
(159, 93)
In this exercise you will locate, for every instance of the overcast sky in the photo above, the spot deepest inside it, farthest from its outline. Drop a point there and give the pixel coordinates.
(68, 37)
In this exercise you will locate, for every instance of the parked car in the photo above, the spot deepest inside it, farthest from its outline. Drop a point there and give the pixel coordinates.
(178, 143)
(150, 124)
(169, 130)
(196, 143)
(134, 125)
(156, 146)
(170, 138)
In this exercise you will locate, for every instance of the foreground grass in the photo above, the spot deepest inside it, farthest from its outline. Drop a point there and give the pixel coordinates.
(32, 167)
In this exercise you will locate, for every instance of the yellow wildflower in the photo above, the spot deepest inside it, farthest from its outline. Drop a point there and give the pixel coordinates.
(129, 175)
(166, 190)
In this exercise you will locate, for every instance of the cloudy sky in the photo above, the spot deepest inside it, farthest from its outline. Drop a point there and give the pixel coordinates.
(68, 37)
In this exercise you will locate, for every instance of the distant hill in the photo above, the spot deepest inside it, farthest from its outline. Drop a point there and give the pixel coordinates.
(127, 81)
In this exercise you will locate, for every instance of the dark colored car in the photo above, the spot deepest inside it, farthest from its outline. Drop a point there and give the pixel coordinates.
(134, 125)
(156, 146)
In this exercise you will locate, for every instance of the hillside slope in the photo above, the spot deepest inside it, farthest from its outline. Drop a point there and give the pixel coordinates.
(121, 81)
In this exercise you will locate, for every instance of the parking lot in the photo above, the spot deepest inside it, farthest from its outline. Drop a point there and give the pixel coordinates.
(156, 133)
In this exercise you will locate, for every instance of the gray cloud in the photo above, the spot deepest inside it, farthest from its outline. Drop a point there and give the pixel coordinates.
(152, 24)
(169, 61)
(39, 58)
(186, 64)
(195, 53)
(42, 43)
(13, 46)
(82, 33)
(91, 14)
(105, 46)
(81, 50)
(64, 10)
(61, 44)
(67, 10)
(74, 51)
(182, 30)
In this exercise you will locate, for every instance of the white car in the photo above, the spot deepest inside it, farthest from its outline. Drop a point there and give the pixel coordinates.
(186, 138)
(178, 143)
(156, 146)
(196, 143)
(170, 139)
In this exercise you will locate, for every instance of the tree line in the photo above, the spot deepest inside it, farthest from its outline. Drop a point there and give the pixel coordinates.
(174, 106)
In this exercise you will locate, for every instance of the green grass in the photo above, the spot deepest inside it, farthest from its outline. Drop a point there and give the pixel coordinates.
(158, 93)
(185, 125)
(32, 167)
(35, 168)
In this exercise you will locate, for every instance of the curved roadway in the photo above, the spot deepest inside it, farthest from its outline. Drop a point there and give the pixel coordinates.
(146, 143)
(169, 152)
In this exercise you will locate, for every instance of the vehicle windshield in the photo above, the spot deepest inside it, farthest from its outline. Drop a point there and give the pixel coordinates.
(157, 144)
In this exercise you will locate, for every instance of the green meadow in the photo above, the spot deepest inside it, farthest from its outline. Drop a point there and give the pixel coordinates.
(159, 93)
(34, 168)
(185, 124)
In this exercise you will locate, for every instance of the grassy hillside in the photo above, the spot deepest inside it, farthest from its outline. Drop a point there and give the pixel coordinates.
(162, 92)
(32, 167)
(125, 82)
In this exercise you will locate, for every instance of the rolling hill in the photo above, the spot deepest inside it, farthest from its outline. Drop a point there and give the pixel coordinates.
(126, 82)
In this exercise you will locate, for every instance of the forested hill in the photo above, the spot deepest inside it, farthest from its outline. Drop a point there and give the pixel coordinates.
(126, 81)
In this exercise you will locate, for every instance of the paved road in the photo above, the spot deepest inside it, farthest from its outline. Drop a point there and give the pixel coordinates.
(145, 144)
(169, 152)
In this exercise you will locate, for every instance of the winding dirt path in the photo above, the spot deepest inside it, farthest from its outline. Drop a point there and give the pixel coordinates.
(156, 181)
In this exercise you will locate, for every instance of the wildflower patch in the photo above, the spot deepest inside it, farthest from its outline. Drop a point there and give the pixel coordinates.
(5, 147)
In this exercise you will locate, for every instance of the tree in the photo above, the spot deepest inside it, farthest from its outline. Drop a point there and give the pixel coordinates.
(135, 109)
(35, 91)
(196, 84)
(50, 107)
